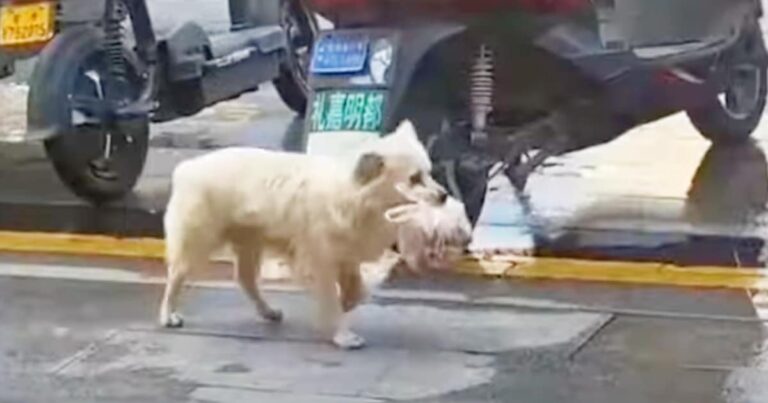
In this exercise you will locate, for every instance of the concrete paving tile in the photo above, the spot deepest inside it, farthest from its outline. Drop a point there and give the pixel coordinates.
(419, 374)
(398, 325)
(483, 331)
(747, 385)
(334, 372)
(227, 395)
(303, 368)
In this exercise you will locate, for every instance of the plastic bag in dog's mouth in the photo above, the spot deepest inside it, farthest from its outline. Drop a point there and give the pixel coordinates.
(402, 213)
(431, 238)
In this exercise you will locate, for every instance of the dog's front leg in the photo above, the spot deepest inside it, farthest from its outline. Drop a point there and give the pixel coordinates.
(351, 287)
(331, 319)
(247, 270)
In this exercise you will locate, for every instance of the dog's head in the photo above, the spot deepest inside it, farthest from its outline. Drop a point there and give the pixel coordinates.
(398, 164)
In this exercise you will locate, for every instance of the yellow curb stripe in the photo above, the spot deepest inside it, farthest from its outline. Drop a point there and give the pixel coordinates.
(76, 244)
(617, 272)
(485, 266)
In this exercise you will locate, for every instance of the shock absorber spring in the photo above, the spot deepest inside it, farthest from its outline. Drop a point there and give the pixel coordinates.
(113, 39)
(481, 91)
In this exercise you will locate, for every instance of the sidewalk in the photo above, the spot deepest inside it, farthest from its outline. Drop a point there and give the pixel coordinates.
(624, 201)
(95, 341)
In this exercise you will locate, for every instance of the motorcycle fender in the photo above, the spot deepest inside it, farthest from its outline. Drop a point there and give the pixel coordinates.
(658, 23)
(416, 42)
(411, 44)
(252, 13)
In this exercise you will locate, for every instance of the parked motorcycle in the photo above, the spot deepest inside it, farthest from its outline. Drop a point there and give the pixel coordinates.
(102, 75)
(506, 84)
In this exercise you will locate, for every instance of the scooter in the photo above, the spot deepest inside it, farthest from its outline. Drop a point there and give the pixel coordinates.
(102, 75)
(499, 86)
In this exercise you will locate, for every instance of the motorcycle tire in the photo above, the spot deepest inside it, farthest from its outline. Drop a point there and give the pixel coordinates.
(59, 73)
(470, 177)
(291, 93)
(292, 84)
(472, 183)
(718, 123)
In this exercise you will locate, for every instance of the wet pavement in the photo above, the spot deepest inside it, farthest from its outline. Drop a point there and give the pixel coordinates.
(658, 193)
(92, 338)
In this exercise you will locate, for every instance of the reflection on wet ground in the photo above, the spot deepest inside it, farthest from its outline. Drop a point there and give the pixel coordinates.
(730, 187)
(719, 219)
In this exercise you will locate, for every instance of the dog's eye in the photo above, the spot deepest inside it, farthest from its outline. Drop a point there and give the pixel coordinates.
(416, 178)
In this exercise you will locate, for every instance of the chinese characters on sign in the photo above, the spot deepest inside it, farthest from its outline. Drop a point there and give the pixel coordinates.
(347, 111)
(340, 54)
(340, 57)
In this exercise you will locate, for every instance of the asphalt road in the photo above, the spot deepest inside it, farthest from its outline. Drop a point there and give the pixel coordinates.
(92, 338)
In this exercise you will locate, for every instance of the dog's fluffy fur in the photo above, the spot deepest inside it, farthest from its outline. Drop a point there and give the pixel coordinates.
(324, 215)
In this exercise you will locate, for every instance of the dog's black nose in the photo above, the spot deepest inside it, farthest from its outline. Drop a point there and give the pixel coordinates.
(442, 196)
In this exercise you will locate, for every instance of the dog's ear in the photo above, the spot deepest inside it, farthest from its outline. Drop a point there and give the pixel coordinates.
(406, 129)
(369, 166)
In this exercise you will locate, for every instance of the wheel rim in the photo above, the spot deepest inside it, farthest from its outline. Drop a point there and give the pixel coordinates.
(301, 28)
(105, 151)
(742, 93)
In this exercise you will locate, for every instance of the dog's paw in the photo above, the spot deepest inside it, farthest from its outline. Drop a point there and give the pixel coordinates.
(348, 340)
(172, 321)
(272, 315)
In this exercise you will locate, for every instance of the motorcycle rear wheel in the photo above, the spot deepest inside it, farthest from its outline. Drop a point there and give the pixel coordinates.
(734, 115)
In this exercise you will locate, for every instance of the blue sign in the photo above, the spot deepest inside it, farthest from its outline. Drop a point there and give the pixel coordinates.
(340, 53)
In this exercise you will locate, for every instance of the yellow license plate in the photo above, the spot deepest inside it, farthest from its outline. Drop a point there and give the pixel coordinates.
(27, 23)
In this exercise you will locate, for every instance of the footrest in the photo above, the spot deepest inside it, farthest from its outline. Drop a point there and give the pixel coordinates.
(266, 39)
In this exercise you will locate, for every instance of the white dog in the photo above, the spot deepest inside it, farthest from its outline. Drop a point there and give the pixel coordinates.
(324, 215)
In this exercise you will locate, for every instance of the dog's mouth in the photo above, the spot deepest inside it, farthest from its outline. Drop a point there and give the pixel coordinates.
(424, 195)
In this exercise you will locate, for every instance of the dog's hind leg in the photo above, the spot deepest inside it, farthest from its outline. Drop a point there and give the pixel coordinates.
(247, 269)
(183, 257)
(177, 274)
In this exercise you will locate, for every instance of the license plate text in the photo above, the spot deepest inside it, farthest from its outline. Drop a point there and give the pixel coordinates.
(28, 23)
